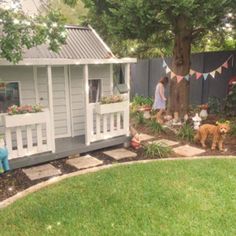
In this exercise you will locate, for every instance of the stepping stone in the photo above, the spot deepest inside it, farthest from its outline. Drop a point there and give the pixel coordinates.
(166, 142)
(42, 171)
(145, 137)
(84, 162)
(120, 153)
(188, 151)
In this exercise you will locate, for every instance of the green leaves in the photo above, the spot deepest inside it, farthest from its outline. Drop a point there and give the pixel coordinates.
(20, 32)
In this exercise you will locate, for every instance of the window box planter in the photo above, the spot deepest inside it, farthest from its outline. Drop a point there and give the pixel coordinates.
(111, 107)
(25, 119)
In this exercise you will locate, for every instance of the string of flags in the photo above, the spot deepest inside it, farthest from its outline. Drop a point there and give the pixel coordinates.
(197, 74)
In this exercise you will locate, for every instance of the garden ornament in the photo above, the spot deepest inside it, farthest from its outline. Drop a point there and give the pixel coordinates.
(4, 165)
(203, 113)
(196, 121)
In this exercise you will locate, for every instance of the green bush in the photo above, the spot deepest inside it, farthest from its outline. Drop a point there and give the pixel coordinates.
(230, 102)
(153, 150)
(155, 126)
(139, 119)
(186, 132)
(233, 129)
(140, 101)
(214, 105)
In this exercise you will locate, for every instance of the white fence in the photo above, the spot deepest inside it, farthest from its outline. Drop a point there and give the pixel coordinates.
(108, 120)
(28, 134)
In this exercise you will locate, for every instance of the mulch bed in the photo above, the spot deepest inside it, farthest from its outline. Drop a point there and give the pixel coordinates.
(16, 181)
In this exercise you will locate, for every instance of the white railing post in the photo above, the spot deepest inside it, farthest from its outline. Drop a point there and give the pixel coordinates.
(126, 112)
(50, 101)
(88, 111)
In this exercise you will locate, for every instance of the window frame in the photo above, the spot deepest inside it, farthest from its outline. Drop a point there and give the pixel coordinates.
(101, 82)
(19, 87)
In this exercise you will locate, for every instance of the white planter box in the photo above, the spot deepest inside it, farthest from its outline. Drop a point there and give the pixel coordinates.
(111, 107)
(25, 119)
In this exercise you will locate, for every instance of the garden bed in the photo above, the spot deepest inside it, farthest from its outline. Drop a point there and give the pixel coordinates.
(15, 181)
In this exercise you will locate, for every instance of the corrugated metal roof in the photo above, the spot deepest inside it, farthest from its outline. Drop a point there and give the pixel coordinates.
(81, 43)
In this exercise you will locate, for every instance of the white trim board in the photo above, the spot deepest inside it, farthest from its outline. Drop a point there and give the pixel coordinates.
(57, 61)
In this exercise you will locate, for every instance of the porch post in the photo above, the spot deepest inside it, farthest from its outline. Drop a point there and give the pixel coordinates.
(111, 79)
(36, 84)
(127, 81)
(86, 103)
(50, 102)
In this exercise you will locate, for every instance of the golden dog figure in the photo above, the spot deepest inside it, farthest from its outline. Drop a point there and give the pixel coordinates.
(218, 133)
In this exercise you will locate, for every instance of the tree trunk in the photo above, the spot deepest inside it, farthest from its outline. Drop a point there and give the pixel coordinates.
(179, 92)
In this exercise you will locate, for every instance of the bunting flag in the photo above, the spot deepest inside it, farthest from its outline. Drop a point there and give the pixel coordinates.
(205, 75)
(164, 64)
(191, 72)
(219, 70)
(172, 75)
(225, 65)
(179, 78)
(213, 74)
(197, 74)
(186, 77)
(167, 70)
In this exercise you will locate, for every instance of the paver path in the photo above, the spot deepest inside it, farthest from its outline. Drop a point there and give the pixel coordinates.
(120, 153)
(42, 171)
(82, 162)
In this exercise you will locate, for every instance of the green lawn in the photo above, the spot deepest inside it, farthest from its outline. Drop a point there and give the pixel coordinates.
(162, 198)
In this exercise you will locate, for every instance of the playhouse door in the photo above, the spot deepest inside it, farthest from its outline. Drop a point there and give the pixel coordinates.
(61, 102)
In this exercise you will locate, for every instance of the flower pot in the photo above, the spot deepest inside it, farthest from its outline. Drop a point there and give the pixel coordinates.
(111, 107)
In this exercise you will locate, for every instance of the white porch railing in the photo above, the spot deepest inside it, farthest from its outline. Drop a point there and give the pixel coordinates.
(108, 120)
(28, 134)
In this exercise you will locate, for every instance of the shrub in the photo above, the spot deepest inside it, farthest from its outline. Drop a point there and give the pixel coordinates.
(155, 126)
(139, 119)
(153, 150)
(140, 101)
(186, 132)
(230, 102)
(214, 105)
(233, 129)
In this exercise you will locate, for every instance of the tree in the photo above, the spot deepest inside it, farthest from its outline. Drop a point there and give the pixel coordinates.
(19, 31)
(162, 21)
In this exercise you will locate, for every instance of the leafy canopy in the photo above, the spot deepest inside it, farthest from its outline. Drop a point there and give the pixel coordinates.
(154, 22)
(20, 32)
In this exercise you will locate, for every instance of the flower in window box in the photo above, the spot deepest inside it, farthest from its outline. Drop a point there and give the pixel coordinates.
(111, 99)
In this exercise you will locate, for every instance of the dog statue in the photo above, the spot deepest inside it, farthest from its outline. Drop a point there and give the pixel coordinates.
(218, 133)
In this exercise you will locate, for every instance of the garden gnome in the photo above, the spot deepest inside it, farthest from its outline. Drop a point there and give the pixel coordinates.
(135, 141)
(4, 165)
(196, 121)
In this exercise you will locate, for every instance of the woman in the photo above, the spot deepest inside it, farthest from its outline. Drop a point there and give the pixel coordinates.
(160, 99)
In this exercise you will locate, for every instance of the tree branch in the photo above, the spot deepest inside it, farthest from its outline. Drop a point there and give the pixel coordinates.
(195, 32)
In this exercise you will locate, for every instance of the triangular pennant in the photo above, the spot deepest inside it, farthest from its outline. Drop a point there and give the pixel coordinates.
(179, 78)
(198, 75)
(164, 64)
(172, 75)
(186, 77)
(225, 65)
(205, 75)
(219, 70)
(191, 72)
(167, 70)
(213, 74)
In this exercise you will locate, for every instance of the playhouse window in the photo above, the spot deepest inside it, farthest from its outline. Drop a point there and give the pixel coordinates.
(9, 95)
(94, 90)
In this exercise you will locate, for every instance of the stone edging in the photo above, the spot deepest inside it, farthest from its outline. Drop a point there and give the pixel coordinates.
(57, 179)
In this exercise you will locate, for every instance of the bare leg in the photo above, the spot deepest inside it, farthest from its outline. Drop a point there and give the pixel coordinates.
(159, 117)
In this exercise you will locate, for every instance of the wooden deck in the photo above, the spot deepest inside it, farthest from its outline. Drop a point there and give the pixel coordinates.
(66, 147)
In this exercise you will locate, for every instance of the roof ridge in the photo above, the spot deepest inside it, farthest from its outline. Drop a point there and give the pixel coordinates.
(77, 27)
